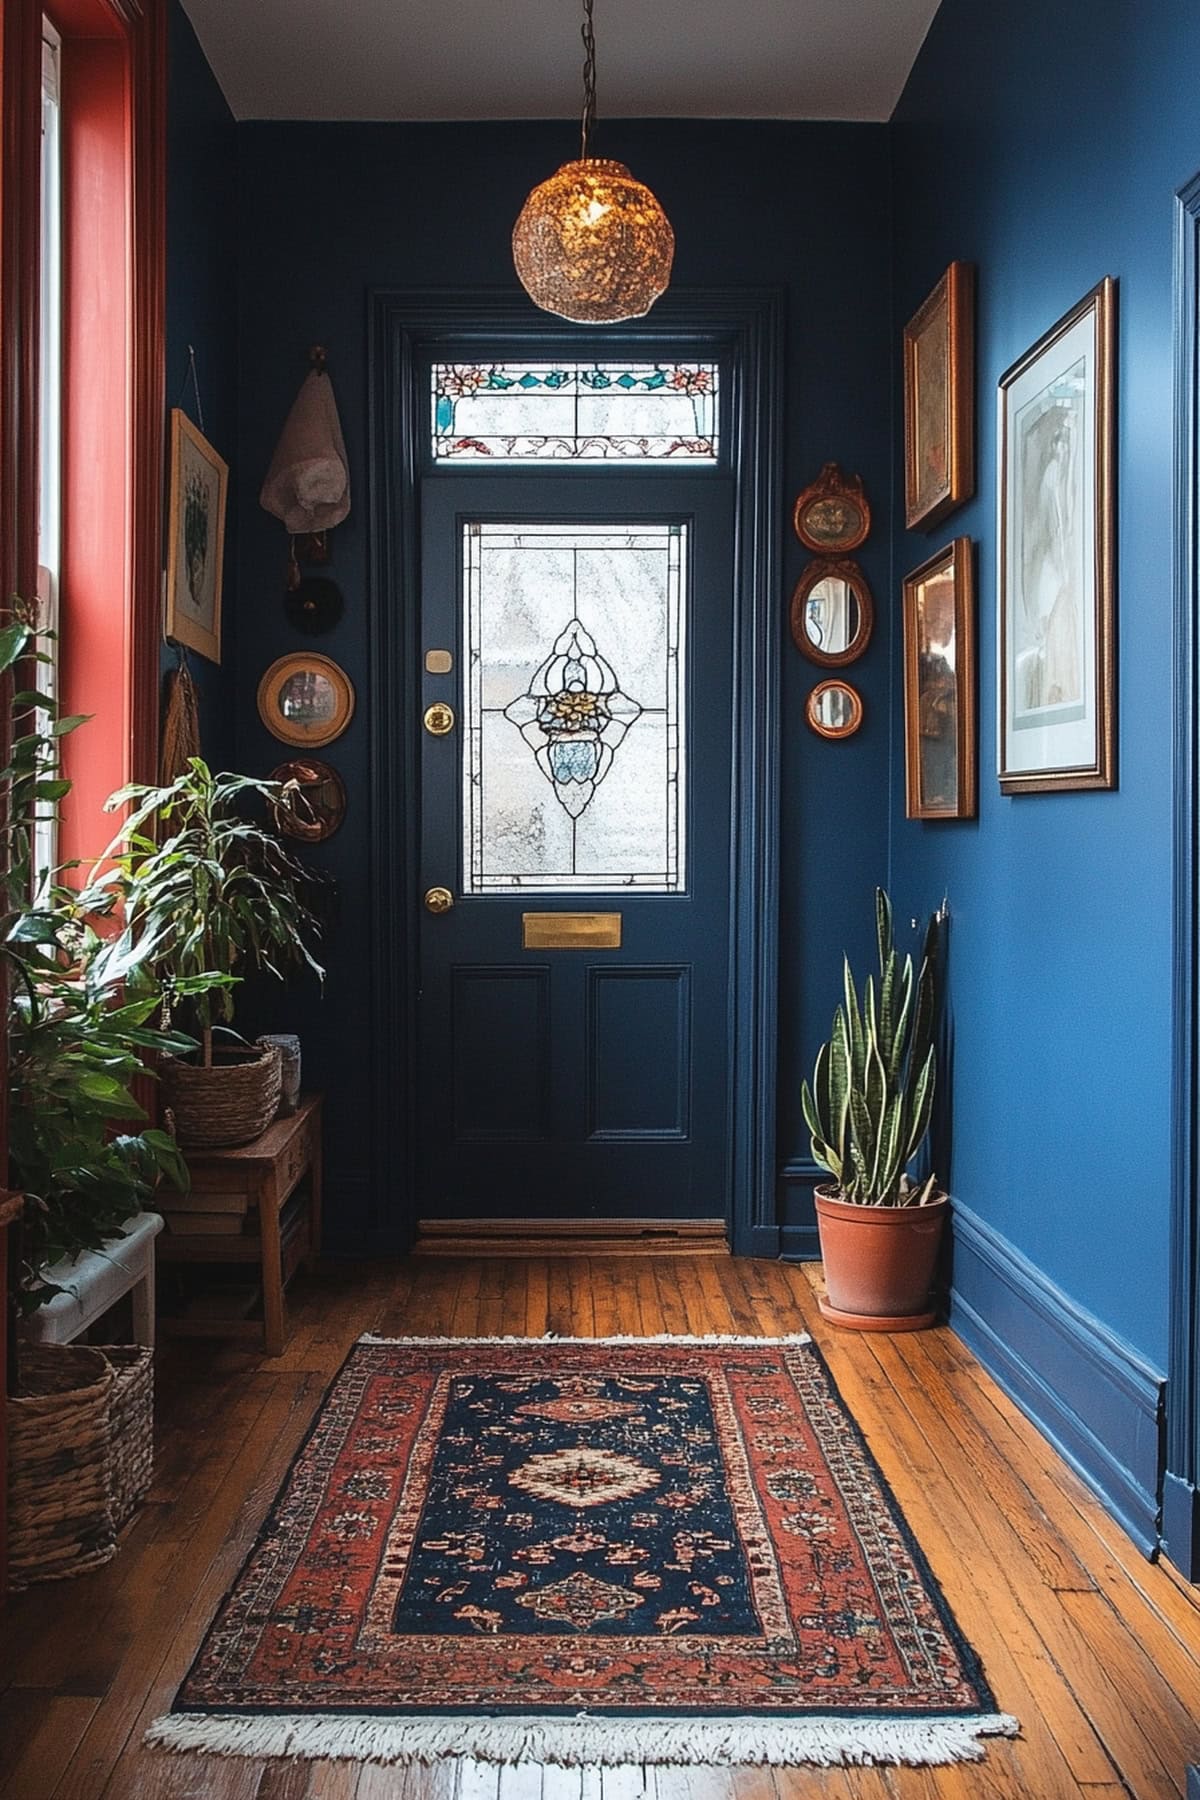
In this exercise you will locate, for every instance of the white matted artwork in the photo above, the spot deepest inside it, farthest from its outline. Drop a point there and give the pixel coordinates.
(195, 539)
(1056, 557)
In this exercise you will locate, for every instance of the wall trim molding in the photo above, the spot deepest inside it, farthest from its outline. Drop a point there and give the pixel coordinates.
(1087, 1390)
(1181, 1522)
(747, 323)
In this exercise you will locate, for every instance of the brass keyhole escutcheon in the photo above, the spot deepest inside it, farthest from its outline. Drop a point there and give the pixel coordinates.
(439, 900)
(439, 719)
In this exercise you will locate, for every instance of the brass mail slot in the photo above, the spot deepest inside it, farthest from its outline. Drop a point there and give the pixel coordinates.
(572, 931)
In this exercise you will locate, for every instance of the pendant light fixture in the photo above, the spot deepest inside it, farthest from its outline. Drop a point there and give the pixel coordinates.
(591, 243)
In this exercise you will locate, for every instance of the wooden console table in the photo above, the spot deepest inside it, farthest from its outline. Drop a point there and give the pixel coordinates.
(264, 1174)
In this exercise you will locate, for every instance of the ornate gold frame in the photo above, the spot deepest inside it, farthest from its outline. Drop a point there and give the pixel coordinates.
(812, 704)
(957, 560)
(847, 570)
(940, 338)
(832, 515)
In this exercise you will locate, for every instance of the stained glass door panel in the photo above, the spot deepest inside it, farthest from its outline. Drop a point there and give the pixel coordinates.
(574, 771)
(587, 621)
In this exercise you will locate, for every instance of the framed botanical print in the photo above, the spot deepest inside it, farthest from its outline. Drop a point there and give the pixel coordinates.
(939, 400)
(1057, 532)
(195, 539)
(939, 686)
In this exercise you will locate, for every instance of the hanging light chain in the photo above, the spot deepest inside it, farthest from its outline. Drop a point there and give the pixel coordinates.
(589, 79)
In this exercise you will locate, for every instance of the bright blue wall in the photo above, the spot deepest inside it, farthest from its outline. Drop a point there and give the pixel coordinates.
(329, 212)
(1045, 143)
(201, 305)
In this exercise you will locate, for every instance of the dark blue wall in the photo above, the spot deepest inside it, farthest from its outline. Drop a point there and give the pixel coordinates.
(202, 309)
(1045, 143)
(330, 212)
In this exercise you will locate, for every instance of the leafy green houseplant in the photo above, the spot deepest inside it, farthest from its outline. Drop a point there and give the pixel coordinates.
(206, 895)
(868, 1110)
(81, 1149)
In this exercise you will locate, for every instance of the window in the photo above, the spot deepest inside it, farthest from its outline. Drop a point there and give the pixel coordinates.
(575, 757)
(540, 412)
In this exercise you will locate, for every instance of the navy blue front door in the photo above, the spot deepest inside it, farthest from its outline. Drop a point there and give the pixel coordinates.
(577, 643)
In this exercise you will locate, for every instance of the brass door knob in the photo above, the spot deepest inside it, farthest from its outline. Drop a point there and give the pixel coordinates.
(439, 900)
(439, 719)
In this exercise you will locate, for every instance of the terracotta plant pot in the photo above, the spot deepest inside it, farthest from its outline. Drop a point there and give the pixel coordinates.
(879, 1262)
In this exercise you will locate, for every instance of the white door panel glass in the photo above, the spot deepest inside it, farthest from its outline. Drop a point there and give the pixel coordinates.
(574, 750)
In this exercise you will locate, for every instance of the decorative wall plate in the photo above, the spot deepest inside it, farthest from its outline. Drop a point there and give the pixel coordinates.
(832, 515)
(315, 803)
(305, 699)
(315, 606)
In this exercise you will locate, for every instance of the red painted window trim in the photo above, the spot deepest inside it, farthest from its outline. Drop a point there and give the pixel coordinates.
(114, 180)
(140, 27)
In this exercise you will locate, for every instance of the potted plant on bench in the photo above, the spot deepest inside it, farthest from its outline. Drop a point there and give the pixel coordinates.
(868, 1110)
(206, 895)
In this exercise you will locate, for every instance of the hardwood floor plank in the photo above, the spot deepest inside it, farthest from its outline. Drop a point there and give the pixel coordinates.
(1096, 1650)
(200, 1568)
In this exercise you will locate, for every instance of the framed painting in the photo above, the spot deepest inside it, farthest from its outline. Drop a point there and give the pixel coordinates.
(939, 686)
(939, 400)
(195, 539)
(1057, 541)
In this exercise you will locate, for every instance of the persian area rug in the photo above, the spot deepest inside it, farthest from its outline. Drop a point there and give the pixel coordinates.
(661, 1550)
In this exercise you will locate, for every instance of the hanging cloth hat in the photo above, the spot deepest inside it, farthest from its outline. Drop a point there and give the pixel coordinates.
(308, 483)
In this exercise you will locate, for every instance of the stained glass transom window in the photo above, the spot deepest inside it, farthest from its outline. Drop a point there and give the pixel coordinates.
(574, 748)
(575, 412)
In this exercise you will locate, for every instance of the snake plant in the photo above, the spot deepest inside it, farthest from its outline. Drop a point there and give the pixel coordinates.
(869, 1105)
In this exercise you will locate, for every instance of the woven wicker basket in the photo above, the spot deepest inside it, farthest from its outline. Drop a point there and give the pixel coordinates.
(130, 1428)
(60, 1519)
(231, 1103)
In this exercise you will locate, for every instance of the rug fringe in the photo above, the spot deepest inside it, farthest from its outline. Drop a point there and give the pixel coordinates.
(584, 1740)
(552, 1337)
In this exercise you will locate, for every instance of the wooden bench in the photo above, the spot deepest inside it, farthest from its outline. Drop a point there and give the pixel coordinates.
(252, 1183)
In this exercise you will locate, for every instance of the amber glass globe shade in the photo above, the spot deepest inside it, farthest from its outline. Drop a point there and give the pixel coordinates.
(592, 244)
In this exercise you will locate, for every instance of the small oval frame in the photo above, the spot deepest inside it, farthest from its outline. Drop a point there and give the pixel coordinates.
(832, 516)
(813, 704)
(844, 568)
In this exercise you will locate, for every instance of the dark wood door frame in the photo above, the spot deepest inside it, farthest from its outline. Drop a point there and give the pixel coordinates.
(746, 325)
(1180, 1530)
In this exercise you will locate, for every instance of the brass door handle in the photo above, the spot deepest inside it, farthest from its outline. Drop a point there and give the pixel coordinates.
(438, 900)
(439, 719)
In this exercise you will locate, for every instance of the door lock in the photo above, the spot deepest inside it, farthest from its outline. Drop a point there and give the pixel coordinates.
(439, 719)
(438, 900)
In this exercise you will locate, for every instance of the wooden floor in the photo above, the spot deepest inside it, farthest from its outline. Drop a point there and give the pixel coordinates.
(1096, 1651)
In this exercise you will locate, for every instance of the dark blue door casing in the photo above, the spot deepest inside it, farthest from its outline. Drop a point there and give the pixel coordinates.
(578, 1083)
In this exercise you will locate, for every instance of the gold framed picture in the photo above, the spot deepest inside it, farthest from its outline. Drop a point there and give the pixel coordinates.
(195, 539)
(1057, 550)
(832, 515)
(939, 400)
(305, 699)
(940, 766)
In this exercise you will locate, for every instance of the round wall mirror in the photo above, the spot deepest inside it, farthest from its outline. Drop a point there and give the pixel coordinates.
(832, 612)
(305, 699)
(834, 709)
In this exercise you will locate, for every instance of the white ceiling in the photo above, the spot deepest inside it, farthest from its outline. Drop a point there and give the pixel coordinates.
(522, 59)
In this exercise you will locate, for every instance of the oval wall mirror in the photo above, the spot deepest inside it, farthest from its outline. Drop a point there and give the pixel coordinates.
(833, 613)
(834, 709)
